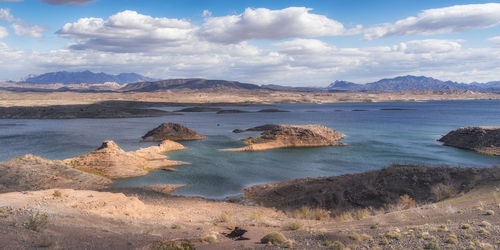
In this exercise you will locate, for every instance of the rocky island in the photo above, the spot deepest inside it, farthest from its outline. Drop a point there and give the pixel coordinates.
(282, 136)
(172, 131)
(484, 140)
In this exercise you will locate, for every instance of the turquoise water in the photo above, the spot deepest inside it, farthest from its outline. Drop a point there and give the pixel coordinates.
(376, 138)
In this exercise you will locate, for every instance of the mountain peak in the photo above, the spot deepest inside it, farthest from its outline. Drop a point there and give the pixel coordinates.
(85, 76)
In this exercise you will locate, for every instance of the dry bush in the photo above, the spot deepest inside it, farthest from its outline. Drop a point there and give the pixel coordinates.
(225, 217)
(441, 191)
(307, 213)
(37, 222)
(406, 202)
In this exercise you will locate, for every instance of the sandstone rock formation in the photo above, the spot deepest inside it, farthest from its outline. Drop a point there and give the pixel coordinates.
(172, 131)
(30, 172)
(113, 162)
(281, 136)
(485, 140)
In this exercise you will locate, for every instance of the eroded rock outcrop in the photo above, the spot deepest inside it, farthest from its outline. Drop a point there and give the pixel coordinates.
(31, 172)
(111, 161)
(485, 140)
(282, 136)
(172, 131)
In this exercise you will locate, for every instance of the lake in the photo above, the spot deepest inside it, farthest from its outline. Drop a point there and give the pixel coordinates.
(405, 134)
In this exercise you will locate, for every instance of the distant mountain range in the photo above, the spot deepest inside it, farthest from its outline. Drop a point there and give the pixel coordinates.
(85, 77)
(192, 83)
(405, 83)
(139, 83)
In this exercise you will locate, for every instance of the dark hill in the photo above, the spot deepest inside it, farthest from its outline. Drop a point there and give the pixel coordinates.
(193, 83)
(85, 77)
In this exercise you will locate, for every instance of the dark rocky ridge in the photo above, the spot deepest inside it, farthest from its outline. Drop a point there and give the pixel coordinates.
(485, 140)
(172, 131)
(375, 189)
(192, 83)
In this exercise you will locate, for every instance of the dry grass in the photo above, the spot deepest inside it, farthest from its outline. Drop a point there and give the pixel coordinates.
(295, 225)
(37, 222)
(307, 213)
(57, 194)
(406, 202)
(225, 217)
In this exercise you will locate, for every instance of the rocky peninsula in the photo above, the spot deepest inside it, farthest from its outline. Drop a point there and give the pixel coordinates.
(282, 136)
(111, 161)
(172, 131)
(484, 140)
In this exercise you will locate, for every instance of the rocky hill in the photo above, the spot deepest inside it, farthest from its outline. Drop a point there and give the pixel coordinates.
(485, 140)
(86, 76)
(192, 84)
(406, 83)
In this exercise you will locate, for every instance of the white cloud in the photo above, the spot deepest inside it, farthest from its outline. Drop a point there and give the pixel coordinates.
(206, 13)
(495, 40)
(25, 29)
(5, 15)
(429, 46)
(68, 2)
(456, 18)
(3, 32)
(127, 31)
(21, 27)
(300, 46)
(269, 25)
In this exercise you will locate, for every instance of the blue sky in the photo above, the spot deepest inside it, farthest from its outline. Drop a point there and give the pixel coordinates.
(300, 43)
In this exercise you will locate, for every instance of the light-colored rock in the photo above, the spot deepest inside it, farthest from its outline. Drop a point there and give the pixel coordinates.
(282, 136)
(484, 140)
(164, 188)
(113, 162)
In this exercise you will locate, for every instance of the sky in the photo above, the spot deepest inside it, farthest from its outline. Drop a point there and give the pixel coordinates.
(286, 42)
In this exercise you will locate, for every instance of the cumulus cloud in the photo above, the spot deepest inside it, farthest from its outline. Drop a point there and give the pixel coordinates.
(3, 32)
(127, 31)
(68, 2)
(300, 46)
(270, 25)
(456, 18)
(5, 15)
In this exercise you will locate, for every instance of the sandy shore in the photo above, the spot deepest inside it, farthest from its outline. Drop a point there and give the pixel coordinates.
(9, 99)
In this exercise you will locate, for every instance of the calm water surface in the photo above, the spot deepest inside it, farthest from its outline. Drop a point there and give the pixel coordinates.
(376, 138)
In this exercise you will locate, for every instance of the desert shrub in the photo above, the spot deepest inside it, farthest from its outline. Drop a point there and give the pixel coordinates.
(225, 217)
(354, 236)
(490, 212)
(345, 216)
(57, 193)
(406, 202)
(460, 211)
(495, 198)
(361, 214)
(365, 237)
(37, 222)
(393, 234)
(465, 226)
(4, 212)
(452, 239)
(273, 238)
(171, 245)
(484, 224)
(374, 226)
(288, 244)
(308, 213)
(431, 245)
(296, 225)
(337, 245)
(441, 191)
(484, 231)
(384, 241)
(211, 238)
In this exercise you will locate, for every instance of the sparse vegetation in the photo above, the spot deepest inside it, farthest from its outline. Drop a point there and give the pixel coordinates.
(37, 222)
(336, 245)
(452, 239)
(374, 226)
(431, 245)
(354, 236)
(361, 214)
(394, 234)
(171, 245)
(307, 213)
(490, 212)
(4, 212)
(406, 202)
(483, 231)
(465, 226)
(225, 217)
(295, 225)
(211, 238)
(274, 238)
(57, 193)
(484, 224)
